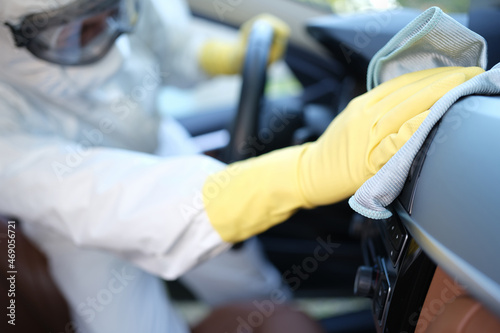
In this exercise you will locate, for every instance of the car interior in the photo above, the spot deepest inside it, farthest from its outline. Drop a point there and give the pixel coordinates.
(425, 269)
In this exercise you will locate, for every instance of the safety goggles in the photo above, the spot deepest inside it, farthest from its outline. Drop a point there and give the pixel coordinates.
(76, 34)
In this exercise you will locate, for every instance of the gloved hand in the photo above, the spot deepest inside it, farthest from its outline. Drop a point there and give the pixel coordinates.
(222, 57)
(250, 196)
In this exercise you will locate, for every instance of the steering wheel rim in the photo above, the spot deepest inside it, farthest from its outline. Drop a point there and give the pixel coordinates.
(246, 123)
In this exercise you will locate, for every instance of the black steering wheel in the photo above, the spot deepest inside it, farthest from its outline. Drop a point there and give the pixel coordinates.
(246, 123)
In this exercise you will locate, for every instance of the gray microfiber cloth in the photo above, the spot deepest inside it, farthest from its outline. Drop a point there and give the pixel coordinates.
(431, 40)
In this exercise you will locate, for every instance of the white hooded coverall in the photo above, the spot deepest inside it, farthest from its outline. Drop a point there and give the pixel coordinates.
(101, 181)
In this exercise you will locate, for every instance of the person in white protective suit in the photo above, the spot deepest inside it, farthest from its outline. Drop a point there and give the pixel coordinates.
(110, 103)
(114, 195)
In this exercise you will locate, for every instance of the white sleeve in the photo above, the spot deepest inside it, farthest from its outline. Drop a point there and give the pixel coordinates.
(165, 27)
(144, 208)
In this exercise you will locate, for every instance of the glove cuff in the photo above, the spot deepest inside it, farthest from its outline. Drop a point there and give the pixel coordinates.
(251, 196)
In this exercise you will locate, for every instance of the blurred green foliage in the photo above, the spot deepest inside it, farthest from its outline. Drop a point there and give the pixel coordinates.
(450, 6)
(348, 6)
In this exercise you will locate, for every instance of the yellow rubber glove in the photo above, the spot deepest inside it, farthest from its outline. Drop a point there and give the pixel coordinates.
(250, 196)
(222, 57)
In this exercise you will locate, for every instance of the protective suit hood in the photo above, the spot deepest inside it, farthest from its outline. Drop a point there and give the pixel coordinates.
(115, 95)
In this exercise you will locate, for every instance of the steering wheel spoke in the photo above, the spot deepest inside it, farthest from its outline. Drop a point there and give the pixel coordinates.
(246, 123)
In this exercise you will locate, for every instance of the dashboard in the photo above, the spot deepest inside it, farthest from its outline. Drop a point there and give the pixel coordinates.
(445, 221)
